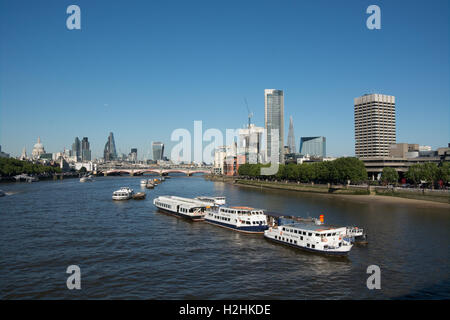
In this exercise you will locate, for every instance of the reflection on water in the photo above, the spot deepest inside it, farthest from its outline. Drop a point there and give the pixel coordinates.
(129, 249)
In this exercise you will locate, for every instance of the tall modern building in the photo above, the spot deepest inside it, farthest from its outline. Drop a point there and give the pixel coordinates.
(110, 153)
(274, 119)
(85, 150)
(76, 149)
(375, 129)
(132, 157)
(158, 150)
(313, 146)
(291, 137)
(250, 144)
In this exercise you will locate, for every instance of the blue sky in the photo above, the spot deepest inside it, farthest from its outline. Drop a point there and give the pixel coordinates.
(144, 68)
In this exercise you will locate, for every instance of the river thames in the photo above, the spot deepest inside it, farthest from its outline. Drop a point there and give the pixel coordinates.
(130, 250)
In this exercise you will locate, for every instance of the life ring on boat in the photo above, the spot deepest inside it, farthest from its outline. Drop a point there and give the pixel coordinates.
(340, 238)
(281, 233)
(324, 239)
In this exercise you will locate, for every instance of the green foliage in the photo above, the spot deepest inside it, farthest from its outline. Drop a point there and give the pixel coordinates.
(11, 167)
(428, 172)
(389, 175)
(337, 171)
(443, 172)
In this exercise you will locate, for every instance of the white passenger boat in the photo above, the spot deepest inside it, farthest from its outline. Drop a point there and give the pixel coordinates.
(123, 193)
(243, 219)
(311, 237)
(143, 182)
(86, 179)
(191, 209)
(356, 235)
(219, 201)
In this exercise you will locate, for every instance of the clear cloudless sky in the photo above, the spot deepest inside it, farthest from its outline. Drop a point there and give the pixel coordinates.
(144, 68)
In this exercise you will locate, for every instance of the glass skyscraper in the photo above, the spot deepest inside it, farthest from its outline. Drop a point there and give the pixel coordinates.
(313, 146)
(76, 149)
(85, 151)
(158, 150)
(110, 153)
(274, 119)
(291, 137)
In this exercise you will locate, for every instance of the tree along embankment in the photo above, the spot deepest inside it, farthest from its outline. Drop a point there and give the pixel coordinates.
(442, 196)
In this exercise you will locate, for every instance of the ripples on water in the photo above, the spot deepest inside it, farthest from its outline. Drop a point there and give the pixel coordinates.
(130, 250)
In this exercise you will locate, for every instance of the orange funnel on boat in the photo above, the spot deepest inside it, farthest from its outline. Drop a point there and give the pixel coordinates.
(321, 218)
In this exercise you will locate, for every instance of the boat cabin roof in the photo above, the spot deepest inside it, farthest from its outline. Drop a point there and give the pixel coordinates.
(243, 209)
(183, 202)
(311, 227)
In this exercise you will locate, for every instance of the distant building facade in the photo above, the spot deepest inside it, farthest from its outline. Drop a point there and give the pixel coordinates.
(291, 137)
(274, 119)
(3, 154)
(250, 144)
(109, 153)
(85, 150)
(76, 149)
(313, 146)
(38, 149)
(375, 125)
(158, 151)
(132, 157)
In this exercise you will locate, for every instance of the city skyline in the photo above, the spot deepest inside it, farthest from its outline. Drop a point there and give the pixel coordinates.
(129, 88)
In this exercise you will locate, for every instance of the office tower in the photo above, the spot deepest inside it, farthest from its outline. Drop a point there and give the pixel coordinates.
(313, 146)
(274, 119)
(133, 155)
(291, 137)
(109, 153)
(76, 149)
(250, 144)
(85, 151)
(158, 150)
(374, 125)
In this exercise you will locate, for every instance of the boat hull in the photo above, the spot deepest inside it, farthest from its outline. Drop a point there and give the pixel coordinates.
(247, 229)
(330, 253)
(194, 218)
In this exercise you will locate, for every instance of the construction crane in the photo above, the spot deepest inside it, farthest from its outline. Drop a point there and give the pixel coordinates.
(250, 114)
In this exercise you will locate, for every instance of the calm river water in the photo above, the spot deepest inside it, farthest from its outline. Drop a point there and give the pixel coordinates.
(130, 250)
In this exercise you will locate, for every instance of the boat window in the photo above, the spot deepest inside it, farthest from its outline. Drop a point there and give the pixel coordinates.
(313, 246)
(328, 234)
(310, 234)
(301, 238)
(317, 235)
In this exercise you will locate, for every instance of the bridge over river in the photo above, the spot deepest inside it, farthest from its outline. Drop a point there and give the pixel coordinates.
(162, 171)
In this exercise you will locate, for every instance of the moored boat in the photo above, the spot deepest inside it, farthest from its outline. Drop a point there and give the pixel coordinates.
(123, 193)
(217, 201)
(191, 209)
(314, 237)
(242, 219)
(86, 179)
(139, 196)
(357, 235)
(143, 182)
